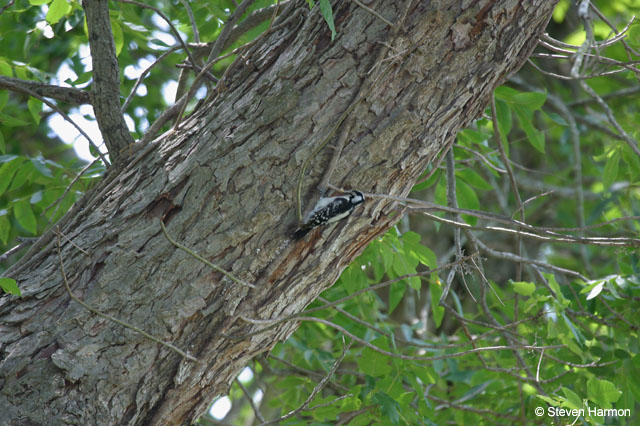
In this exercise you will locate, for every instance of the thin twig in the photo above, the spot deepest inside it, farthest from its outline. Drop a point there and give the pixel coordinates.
(144, 74)
(63, 114)
(539, 363)
(579, 78)
(316, 389)
(6, 6)
(469, 409)
(15, 249)
(549, 233)
(216, 50)
(194, 27)
(272, 323)
(68, 188)
(81, 250)
(410, 357)
(452, 201)
(483, 158)
(374, 13)
(203, 260)
(322, 186)
(173, 29)
(514, 258)
(249, 398)
(303, 371)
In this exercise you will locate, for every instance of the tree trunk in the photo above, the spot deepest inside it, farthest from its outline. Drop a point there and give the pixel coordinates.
(225, 185)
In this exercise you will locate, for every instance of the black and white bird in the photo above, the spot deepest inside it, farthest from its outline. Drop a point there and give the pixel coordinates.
(328, 210)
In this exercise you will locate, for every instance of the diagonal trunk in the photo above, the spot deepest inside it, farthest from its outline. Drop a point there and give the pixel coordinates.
(225, 185)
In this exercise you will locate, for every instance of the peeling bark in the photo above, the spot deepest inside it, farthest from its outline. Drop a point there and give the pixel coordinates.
(225, 186)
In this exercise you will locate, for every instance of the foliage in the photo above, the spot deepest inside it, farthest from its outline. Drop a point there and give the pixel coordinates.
(587, 325)
(559, 323)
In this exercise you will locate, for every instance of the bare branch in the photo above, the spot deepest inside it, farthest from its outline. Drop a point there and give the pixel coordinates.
(249, 398)
(65, 116)
(374, 13)
(70, 95)
(316, 389)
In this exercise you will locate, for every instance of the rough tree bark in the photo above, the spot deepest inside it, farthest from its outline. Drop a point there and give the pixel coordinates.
(225, 185)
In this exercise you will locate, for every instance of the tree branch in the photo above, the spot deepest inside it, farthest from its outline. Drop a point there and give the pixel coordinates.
(70, 95)
(105, 94)
(64, 115)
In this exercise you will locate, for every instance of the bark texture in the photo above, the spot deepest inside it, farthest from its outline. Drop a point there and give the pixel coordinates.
(105, 93)
(224, 185)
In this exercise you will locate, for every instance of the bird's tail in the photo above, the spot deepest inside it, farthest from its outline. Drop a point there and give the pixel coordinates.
(301, 232)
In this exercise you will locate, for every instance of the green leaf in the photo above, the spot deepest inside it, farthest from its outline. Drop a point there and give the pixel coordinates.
(39, 2)
(548, 400)
(435, 291)
(634, 36)
(505, 93)
(118, 37)
(471, 136)
(610, 173)
(10, 121)
(425, 374)
(505, 122)
(327, 14)
(5, 69)
(353, 279)
(523, 288)
(556, 118)
(4, 95)
(427, 183)
(467, 199)
(418, 251)
(560, 11)
(525, 118)
(576, 333)
(10, 286)
(3, 148)
(35, 107)
(602, 392)
(388, 407)
(39, 164)
(7, 171)
(24, 174)
(397, 290)
(573, 400)
(530, 100)
(57, 10)
(594, 289)
(82, 78)
(553, 284)
(5, 226)
(632, 162)
(472, 177)
(25, 217)
(386, 253)
(374, 363)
